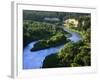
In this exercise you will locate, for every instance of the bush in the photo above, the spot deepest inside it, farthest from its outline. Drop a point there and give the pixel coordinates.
(83, 58)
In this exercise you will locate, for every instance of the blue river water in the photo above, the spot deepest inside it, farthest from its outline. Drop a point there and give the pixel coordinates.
(34, 59)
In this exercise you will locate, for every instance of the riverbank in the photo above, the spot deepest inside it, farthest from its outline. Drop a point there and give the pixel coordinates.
(35, 59)
(73, 54)
(57, 40)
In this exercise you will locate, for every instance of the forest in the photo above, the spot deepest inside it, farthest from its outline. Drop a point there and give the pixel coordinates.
(48, 30)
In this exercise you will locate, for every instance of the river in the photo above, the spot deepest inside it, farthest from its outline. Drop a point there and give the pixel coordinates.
(34, 60)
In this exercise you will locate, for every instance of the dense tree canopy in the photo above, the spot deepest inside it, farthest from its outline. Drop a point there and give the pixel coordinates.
(39, 30)
(47, 29)
(74, 54)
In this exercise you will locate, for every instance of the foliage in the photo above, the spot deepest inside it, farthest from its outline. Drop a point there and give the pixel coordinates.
(51, 61)
(76, 54)
(33, 31)
(72, 55)
(50, 34)
(54, 41)
(83, 58)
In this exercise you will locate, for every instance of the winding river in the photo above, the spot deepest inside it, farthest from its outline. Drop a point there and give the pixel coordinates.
(34, 60)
